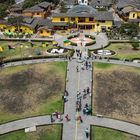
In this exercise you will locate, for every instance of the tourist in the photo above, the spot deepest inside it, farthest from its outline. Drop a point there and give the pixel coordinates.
(67, 118)
(66, 93)
(52, 120)
(85, 93)
(86, 65)
(77, 69)
(80, 119)
(84, 111)
(89, 64)
(65, 99)
(87, 132)
(88, 90)
(60, 117)
(69, 58)
(56, 114)
(82, 66)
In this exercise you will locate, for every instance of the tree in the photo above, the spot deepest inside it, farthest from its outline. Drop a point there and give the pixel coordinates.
(16, 21)
(135, 44)
(8, 2)
(3, 8)
(63, 7)
(4, 5)
(30, 3)
(130, 29)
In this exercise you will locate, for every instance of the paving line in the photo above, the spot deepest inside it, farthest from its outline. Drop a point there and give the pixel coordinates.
(78, 87)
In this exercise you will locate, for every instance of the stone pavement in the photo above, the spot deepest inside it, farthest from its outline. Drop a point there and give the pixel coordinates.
(77, 82)
(101, 40)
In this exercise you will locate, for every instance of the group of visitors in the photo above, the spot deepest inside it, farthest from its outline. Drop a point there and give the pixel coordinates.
(79, 53)
(87, 110)
(56, 116)
(86, 91)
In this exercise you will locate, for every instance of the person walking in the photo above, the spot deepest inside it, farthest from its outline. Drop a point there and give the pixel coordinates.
(80, 119)
(77, 69)
(52, 120)
(88, 90)
(87, 132)
(67, 118)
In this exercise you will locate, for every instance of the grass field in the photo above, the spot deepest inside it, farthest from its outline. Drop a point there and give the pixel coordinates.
(116, 92)
(31, 90)
(24, 49)
(124, 50)
(50, 132)
(99, 133)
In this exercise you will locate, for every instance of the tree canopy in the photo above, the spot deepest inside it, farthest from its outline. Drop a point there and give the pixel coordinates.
(4, 5)
(130, 29)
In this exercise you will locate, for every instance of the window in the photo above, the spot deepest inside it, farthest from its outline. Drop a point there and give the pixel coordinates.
(91, 19)
(41, 31)
(37, 13)
(62, 19)
(108, 28)
(133, 15)
(72, 19)
(81, 19)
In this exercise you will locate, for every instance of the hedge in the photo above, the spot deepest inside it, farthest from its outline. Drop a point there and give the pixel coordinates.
(90, 36)
(72, 36)
(90, 43)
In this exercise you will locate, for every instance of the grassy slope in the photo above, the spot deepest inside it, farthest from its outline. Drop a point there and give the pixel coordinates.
(50, 105)
(99, 133)
(50, 132)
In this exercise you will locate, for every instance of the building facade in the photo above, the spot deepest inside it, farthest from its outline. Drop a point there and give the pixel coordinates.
(83, 17)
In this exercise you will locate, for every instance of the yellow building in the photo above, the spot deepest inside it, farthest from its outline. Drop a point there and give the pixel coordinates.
(10, 28)
(83, 17)
(134, 16)
(26, 29)
(41, 10)
(45, 31)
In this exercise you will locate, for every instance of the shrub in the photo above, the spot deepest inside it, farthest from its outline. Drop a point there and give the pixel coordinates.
(135, 45)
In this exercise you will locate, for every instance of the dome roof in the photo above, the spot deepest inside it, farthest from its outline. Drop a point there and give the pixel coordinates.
(82, 9)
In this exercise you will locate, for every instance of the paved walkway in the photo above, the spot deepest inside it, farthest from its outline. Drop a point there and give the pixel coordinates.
(34, 61)
(76, 82)
(101, 40)
(119, 62)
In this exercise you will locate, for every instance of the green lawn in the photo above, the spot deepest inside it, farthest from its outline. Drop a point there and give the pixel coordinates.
(99, 133)
(24, 49)
(50, 132)
(49, 105)
(124, 50)
(102, 65)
